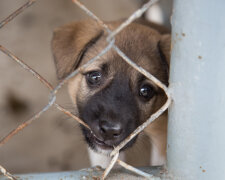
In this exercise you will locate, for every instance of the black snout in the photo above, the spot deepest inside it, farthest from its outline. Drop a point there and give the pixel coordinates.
(110, 130)
(112, 115)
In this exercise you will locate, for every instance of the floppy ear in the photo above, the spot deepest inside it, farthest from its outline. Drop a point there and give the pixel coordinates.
(70, 42)
(165, 47)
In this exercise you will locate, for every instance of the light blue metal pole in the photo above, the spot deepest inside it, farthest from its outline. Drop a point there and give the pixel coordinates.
(196, 132)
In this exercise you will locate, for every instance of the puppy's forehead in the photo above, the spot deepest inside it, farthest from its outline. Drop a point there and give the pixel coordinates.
(138, 42)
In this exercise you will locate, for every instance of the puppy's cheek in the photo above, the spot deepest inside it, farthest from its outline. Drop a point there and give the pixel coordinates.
(159, 101)
(146, 109)
(79, 92)
(74, 87)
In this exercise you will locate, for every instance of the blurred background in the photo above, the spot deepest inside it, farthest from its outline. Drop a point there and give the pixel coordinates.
(53, 142)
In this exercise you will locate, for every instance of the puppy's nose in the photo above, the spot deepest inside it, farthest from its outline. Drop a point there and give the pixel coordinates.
(110, 130)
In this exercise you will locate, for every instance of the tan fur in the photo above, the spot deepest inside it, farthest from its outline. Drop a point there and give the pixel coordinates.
(67, 45)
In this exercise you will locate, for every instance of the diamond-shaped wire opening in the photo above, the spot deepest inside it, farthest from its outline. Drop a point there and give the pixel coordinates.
(111, 45)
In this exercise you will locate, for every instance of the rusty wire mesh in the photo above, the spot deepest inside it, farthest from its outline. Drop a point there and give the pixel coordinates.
(53, 91)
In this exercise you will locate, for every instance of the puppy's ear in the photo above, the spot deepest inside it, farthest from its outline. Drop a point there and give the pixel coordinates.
(70, 42)
(164, 47)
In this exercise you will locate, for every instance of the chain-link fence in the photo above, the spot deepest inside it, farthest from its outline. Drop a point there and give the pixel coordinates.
(53, 91)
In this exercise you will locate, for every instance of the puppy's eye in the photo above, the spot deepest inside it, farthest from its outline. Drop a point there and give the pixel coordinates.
(93, 78)
(146, 91)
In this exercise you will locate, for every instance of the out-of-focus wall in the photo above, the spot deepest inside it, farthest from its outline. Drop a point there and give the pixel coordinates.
(53, 142)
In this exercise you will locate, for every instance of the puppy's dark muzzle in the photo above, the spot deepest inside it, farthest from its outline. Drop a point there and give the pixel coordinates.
(112, 114)
(108, 131)
(108, 138)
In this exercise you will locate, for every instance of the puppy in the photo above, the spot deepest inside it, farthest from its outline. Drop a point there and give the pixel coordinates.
(109, 95)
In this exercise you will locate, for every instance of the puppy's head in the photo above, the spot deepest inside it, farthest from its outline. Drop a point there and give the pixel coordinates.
(109, 95)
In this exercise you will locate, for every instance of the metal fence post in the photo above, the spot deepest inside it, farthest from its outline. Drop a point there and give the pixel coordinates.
(196, 132)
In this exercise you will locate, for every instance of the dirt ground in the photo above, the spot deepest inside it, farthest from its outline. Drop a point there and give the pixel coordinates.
(53, 142)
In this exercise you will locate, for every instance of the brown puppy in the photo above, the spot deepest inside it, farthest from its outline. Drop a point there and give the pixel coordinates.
(111, 96)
